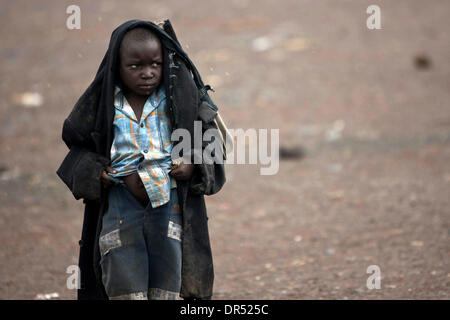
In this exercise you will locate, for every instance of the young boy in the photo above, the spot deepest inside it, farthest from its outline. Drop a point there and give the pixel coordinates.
(148, 231)
(145, 232)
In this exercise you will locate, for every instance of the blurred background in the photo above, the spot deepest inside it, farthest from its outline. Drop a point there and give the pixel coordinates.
(364, 121)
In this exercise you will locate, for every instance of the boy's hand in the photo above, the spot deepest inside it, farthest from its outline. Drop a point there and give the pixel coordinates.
(105, 180)
(183, 171)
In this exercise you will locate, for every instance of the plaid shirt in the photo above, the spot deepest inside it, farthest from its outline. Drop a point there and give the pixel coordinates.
(144, 146)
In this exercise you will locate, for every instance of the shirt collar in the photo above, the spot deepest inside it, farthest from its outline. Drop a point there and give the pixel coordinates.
(153, 101)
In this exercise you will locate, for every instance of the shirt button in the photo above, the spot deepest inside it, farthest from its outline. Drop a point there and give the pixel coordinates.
(145, 151)
(142, 125)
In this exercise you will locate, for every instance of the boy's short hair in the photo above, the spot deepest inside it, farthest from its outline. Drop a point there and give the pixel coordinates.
(138, 34)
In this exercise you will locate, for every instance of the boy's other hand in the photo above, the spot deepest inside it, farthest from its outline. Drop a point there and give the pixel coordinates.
(183, 171)
(105, 180)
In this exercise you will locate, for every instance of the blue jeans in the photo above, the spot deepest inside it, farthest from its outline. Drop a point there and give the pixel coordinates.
(141, 247)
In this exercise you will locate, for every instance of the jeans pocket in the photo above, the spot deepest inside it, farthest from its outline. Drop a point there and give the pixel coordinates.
(109, 241)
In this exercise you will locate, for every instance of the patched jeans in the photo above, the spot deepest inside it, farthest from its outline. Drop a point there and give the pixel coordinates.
(141, 247)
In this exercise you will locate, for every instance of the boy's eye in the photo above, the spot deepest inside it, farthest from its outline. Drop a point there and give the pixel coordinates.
(133, 66)
(156, 64)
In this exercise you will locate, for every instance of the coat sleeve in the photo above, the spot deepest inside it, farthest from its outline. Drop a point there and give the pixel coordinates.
(208, 179)
(81, 169)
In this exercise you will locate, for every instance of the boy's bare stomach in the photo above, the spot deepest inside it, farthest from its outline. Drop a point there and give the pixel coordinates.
(135, 185)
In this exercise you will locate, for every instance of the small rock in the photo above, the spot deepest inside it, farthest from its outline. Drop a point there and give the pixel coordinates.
(28, 99)
(412, 199)
(261, 44)
(297, 44)
(336, 194)
(291, 152)
(335, 132)
(391, 286)
(416, 243)
(47, 296)
(7, 175)
(421, 61)
(259, 213)
(298, 262)
(359, 290)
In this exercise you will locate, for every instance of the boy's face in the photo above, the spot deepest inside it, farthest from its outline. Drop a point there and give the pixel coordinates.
(141, 66)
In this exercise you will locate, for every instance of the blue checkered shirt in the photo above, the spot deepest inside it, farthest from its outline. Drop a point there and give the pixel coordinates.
(144, 146)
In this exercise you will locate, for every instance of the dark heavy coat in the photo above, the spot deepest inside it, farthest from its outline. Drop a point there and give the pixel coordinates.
(88, 133)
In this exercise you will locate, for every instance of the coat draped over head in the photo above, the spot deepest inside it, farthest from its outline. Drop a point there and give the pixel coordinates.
(88, 133)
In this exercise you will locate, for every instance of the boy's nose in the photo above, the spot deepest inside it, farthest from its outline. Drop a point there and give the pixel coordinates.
(147, 73)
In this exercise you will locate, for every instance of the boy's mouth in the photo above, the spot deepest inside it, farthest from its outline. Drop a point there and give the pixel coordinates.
(146, 86)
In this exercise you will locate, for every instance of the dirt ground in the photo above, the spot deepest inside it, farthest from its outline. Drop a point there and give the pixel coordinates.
(367, 110)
